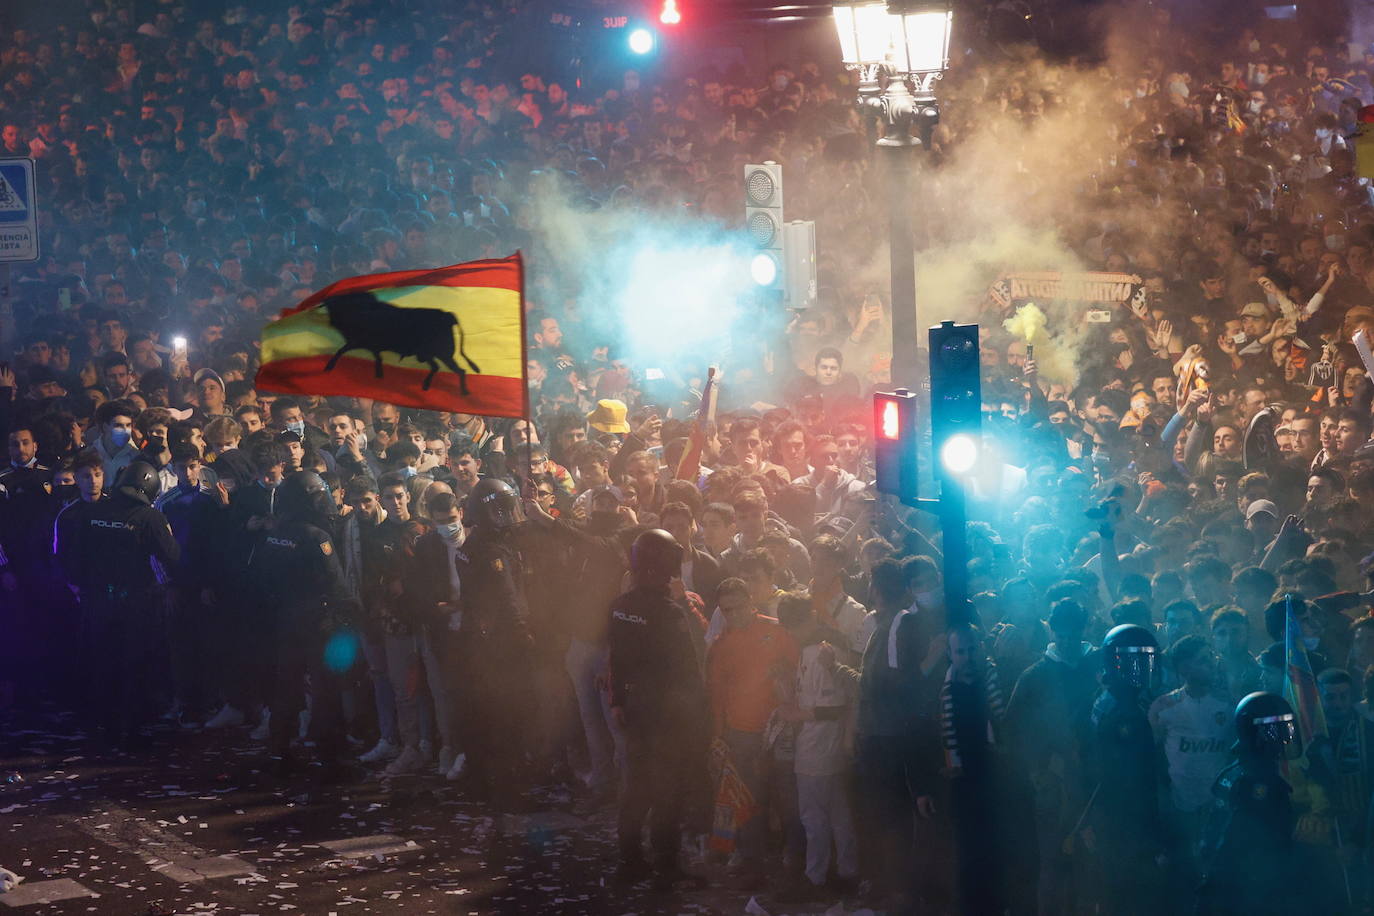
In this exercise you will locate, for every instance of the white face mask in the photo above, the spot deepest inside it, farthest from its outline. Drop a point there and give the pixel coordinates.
(1260, 79)
(1323, 133)
(1255, 106)
(451, 532)
(927, 599)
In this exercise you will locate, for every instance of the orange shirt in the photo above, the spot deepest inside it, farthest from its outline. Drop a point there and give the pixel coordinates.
(742, 670)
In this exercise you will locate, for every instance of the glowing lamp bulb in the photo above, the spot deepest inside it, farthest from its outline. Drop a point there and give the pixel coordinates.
(670, 14)
(959, 453)
(890, 422)
(641, 41)
(763, 269)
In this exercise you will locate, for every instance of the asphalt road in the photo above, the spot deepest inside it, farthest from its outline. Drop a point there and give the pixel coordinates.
(199, 824)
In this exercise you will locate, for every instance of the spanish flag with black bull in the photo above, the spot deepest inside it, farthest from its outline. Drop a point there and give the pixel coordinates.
(451, 338)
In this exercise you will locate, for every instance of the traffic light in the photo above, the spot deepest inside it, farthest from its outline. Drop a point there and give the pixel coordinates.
(763, 221)
(894, 443)
(956, 401)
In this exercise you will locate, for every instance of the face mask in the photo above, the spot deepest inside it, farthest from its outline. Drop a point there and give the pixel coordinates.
(119, 437)
(65, 491)
(298, 428)
(632, 85)
(408, 471)
(779, 83)
(1140, 93)
(1323, 133)
(1179, 88)
(450, 531)
(1255, 106)
(1260, 79)
(269, 486)
(927, 599)
(1335, 243)
(1273, 299)
(1311, 642)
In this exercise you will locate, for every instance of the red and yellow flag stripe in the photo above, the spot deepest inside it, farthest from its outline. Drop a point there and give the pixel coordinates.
(486, 298)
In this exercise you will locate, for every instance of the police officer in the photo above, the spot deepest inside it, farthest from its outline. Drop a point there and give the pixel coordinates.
(1127, 829)
(117, 555)
(309, 610)
(658, 698)
(495, 641)
(27, 588)
(1251, 871)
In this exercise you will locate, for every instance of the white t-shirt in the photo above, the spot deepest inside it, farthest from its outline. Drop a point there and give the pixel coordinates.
(1196, 734)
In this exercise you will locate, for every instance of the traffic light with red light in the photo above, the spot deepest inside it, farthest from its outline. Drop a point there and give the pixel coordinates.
(894, 443)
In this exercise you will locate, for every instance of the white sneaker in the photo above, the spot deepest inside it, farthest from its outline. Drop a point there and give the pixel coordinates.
(264, 729)
(455, 772)
(446, 756)
(227, 717)
(384, 750)
(410, 761)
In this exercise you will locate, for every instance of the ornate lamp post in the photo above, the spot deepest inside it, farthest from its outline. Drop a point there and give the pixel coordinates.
(900, 48)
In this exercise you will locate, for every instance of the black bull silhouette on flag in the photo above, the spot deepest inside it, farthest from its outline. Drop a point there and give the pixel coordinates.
(368, 323)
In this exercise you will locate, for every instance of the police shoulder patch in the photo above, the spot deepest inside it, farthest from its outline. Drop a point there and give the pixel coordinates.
(498, 565)
(327, 548)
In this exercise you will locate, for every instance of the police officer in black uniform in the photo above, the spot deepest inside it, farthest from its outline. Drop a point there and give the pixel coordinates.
(495, 642)
(310, 612)
(1252, 869)
(658, 697)
(118, 554)
(1127, 828)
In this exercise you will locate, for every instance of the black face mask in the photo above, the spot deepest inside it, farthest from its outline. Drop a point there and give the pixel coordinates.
(603, 520)
(65, 492)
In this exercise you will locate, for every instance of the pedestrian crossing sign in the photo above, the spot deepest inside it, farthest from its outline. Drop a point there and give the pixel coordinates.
(18, 211)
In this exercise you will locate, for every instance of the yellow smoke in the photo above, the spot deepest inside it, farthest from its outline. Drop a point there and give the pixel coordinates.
(1055, 362)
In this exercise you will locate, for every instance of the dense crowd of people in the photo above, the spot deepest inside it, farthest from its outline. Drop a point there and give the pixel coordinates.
(750, 650)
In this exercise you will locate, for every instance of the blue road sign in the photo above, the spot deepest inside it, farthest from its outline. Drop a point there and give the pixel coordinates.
(18, 211)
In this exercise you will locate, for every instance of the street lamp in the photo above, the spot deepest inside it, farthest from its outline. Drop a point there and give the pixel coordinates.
(899, 48)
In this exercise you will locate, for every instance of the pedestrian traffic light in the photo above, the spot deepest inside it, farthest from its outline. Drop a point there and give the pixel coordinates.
(763, 221)
(894, 443)
(956, 403)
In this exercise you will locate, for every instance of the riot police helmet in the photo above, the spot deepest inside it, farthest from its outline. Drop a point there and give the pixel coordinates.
(655, 557)
(493, 503)
(139, 481)
(1129, 656)
(304, 496)
(1267, 728)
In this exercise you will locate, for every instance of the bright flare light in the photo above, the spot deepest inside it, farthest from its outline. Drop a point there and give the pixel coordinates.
(763, 269)
(670, 14)
(959, 453)
(641, 41)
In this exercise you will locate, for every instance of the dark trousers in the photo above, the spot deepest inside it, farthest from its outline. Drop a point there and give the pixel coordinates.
(500, 720)
(123, 643)
(888, 805)
(661, 763)
(300, 656)
(188, 626)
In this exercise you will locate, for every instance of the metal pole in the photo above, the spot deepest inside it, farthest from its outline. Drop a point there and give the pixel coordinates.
(896, 149)
(954, 546)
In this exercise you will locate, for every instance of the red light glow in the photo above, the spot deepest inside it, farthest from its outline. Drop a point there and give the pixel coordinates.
(670, 14)
(890, 422)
